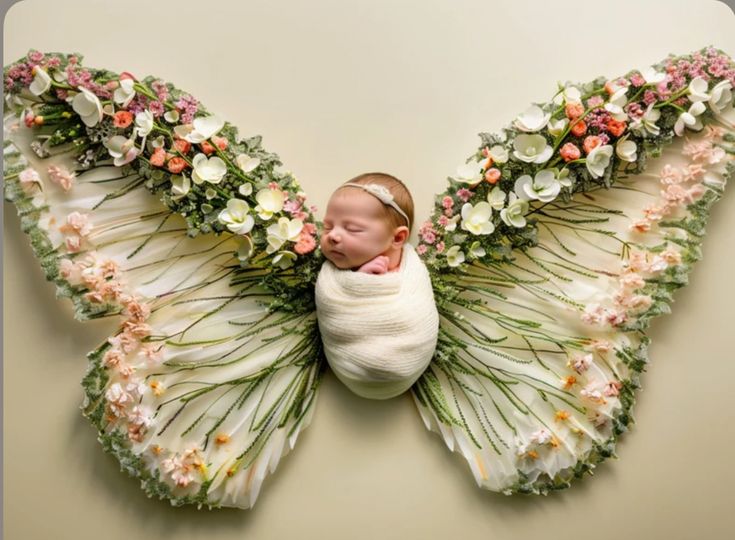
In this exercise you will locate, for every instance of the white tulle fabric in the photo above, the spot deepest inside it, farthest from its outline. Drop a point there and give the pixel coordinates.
(379, 331)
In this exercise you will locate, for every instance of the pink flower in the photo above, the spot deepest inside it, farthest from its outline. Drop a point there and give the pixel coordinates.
(421, 249)
(464, 194)
(440, 247)
(581, 363)
(77, 223)
(305, 244)
(447, 202)
(632, 280)
(694, 171)
(136, 311)
(29, 178)
(637, 262)
(612, 388)
(70, 271)
(600, 345)
(136, 329)
(653, 212)
(73, 244)
(642, 226)
(113, 357)
(671, 256)
(61, 176)
(694, 193)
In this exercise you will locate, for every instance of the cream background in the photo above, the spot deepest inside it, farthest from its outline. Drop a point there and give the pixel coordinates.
(336, 89)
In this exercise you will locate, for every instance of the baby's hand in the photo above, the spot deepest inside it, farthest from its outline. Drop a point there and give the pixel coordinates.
(378, 265)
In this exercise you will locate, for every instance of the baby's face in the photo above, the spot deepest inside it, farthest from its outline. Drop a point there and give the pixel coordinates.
(355, 229)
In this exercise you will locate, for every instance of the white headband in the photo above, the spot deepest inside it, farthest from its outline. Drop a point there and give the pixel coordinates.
(382, 193)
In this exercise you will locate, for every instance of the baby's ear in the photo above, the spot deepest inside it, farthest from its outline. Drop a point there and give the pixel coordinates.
(400, 234)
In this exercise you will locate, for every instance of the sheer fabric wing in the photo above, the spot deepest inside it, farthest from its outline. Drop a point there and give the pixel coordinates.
(540, 350)
(214, 370)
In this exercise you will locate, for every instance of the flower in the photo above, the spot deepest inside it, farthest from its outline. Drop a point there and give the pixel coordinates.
(87, 106)
(122, 149)
(568, 94)
(690, 118)
(144, 124)
(544, 186)
(180, 185)
(625, 149)
(476, 219)
(721, 97)
(496, 198)
(236, 217)
(284, 259)
(41, 81)
(270, 201)
(532, 119)
(646, 123)
(28, 177)
(698, 90)
(514, 214)
(469, 173)
(651, 76)
(557, 127)
(476, 250)
(532, 149)
(454, 256)
(616, 103)
(203, 128)
(211, 169)
(284, 230)
(247, 163)
(124, 93)
(498, 153)
(598, 159)
(245, 249)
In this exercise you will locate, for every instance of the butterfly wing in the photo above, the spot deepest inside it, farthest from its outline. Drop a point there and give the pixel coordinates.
(542, 320)
(215, 368)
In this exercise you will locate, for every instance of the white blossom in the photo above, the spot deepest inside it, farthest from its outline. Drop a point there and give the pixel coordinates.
(87, 106)
(532, 119)
(543, 187)
(598, 159)
(514, 214)
(211, 169)
(41, 81)
(476, 219)
(454, 256)
(236, 217)
(532, 148)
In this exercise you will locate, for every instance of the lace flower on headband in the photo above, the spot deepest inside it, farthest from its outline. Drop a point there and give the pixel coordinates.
(382, 193)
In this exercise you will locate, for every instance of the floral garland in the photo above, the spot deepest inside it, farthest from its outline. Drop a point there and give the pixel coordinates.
(581, 140)
(194, 160)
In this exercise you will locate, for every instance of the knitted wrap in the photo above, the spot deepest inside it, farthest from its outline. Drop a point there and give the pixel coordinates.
(379, 331)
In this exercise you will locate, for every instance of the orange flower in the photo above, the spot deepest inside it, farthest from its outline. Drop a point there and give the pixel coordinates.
(562, 415)
(492, 175)
(569, 381)
(207, 147)
(616, 127)
(182, 146)
(574, 109)
(122, 119)
(579, 128)
(176, 164)
(590, 143)
(158, 157)
(221, 142)
(570, 152)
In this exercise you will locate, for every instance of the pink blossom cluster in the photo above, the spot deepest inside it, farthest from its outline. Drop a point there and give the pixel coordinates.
(183, 467)
(75, 229)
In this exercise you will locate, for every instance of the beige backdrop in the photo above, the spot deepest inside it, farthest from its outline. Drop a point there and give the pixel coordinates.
(338, 88)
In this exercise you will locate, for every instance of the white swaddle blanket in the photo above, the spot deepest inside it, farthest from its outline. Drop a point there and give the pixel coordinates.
(379, 331)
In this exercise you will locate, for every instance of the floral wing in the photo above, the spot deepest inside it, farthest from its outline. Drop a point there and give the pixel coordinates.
(550, 253)
(139, 203)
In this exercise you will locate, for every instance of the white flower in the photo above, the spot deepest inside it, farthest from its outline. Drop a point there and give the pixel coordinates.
(284, 259)
(270, 201)
(171, 116)
(285, 230)
(647, 123)
(247, 163)
(454, 256)
(245, 248)
(476, 219)
(698, 90)
(245, 189)
(122, 149)
(569, 94)
(496, 198)
(236, 217)
(452, 222)
(721, 97)
(532, 119)
(652, 76)
(616, 103)
(563, 177)
(625, 149)
(544, 186)
(469, 173)
(124, 93)
(207, 169)
(690, 118)
(180, 185)
(41, 81)
(532, 149)
(87, 106)
(514, 214)
(203, 128)
(557, 127)
(499, 153)
(476, 249)
(143, 123)
(598, 159)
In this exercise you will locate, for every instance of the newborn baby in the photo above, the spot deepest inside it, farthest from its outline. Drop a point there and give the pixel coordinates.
(374, 300)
